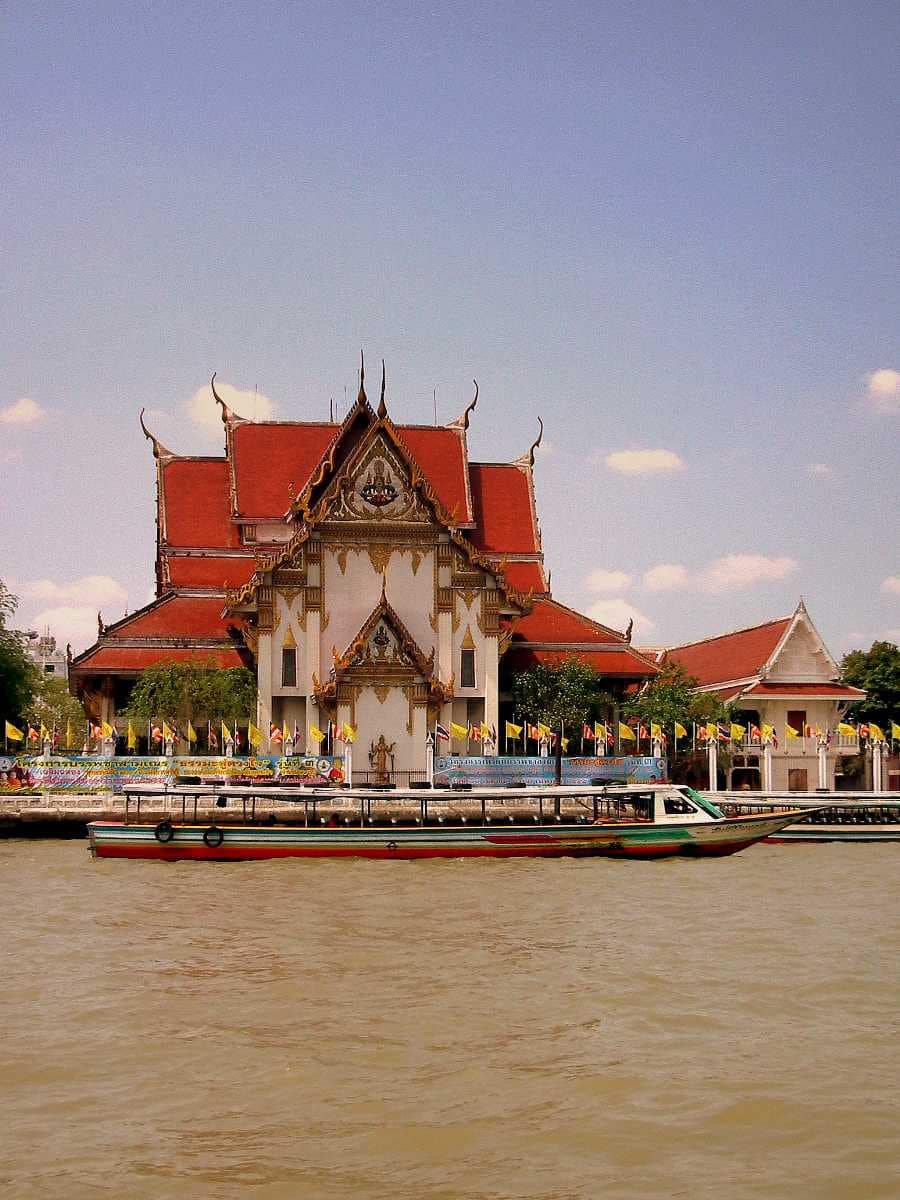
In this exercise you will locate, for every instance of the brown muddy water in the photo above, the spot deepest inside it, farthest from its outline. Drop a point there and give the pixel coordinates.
(488, 1030)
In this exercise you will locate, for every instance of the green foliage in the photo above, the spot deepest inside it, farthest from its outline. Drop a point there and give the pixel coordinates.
(567, 693)
(670, 697)
(53, 706)
(191, 691)
(18, 675)
(877, 671)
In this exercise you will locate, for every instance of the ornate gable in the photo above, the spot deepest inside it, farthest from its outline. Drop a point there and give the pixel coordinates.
(377, 486)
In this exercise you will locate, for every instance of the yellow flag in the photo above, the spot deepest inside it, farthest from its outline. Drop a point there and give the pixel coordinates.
(737, 732)
(544, 730)
(191, 733)
(227, 735)
(485, 731)
(254, 737)
(680, 730)
(13, 734)
(767, 733)
(349, 732)
(316, 734)
(108, 731)
(655, 730)
(513, 731)
(876, 733)
(712, 731)
(790, 732)
(599, 731)
(895, 732)
(167, 732)
(626, 734)
(458, 731)
(285, 732)
(846, 730)
(565, 743)
(132, 737)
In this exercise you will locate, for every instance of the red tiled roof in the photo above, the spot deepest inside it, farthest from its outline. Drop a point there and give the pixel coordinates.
(271, 456)
(441, 453)
(550, 621)
(839, 690)
(136, 658)
(605, 662)
(525, 577)
(501, 497)
(176, 616)
(209, 571)
(730, 656)
(197, 505)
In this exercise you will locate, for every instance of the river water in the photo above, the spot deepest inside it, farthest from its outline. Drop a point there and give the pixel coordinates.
(435, 1030)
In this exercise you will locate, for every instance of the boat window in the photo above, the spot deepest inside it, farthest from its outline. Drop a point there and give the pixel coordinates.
(676, 805)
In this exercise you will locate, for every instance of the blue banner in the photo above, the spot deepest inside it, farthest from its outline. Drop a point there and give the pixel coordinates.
(498, 771)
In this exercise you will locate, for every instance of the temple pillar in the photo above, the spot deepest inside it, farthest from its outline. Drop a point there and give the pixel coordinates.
(264, 683)
(491, 692)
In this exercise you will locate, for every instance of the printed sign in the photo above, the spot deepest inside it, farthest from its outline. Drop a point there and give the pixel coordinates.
(495, 772)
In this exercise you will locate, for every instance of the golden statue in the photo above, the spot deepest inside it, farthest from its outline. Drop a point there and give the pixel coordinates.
(380, 754)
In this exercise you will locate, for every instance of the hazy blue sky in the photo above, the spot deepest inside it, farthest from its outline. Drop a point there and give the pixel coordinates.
(662, 227)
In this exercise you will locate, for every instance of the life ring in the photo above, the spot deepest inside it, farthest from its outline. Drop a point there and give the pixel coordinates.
(164, 831)
(213, 837)
(392, 845)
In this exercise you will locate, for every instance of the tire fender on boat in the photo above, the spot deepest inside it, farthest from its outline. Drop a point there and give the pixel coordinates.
(164, 831)
(213, 837)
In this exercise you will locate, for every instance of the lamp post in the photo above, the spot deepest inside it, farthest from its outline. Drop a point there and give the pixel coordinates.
(429, 758)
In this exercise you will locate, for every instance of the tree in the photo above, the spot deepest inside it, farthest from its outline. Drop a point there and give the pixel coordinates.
(671, 697)
(54, 707)
(562, 694)
(188, 691)
(877, 671)
(18, 675)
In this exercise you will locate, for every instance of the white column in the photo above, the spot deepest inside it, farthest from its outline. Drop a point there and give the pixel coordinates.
(823, 765)
(877, 773)
(767, 767)
(429, 758)
(491, 691)
(348, 763)
(712, 749)
(264, 684)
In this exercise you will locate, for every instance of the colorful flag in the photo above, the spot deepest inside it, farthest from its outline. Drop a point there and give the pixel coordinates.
(655, 730)
(168, 733)
(737, 732)
(485, 731)
(226, 734)
(96, 731)
(544, 730)
(895, 731)
(349, 732)
(131, 738)
(474, 732)
(712, 731)
(532, 731)
(768, 732)
(156, 734)
(790, 732)
(513, 731)
(626, 734)
(876, 732)
(441, 732)
(587, 732)
(70, 735)
(13, 734)
(274, 733)
(599, 731)
(254, 735)
(212, 742)
(565, 743)
(285, 732)
(191, 734)
(680, 730)
(316, 734)
(846, 730)
(459, 731)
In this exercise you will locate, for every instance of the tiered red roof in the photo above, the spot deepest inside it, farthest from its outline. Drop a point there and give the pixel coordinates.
(731, 657)
(197, 512)
(211, 571)
(552, 632)
(504, 510)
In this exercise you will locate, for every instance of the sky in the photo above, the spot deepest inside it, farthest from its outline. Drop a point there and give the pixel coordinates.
(670, 231)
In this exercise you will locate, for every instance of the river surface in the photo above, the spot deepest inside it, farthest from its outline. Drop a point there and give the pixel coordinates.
(689, 1028)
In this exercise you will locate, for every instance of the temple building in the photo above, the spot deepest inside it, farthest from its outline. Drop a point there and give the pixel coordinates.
(368, 572)
(780, 674)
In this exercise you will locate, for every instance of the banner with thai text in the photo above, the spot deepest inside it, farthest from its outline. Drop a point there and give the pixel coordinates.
(488, 772)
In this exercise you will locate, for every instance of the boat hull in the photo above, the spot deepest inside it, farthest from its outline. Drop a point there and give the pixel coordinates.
(242, 843)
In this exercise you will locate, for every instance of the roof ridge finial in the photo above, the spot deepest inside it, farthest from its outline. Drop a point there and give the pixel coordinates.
(362, 398)
(382, 407)
(471, 407)
(226, 411)
(536, 443)
(159, 450)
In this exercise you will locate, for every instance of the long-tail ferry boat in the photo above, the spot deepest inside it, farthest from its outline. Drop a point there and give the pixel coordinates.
(855, 817)
(232, 823)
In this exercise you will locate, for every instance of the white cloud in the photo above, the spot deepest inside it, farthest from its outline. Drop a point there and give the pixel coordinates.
(819, 470)
(737, 571)
(666, 577)
(883, 389)
(644, 462)
(600, 580)
(892, 584)
(68, 623)
(22, 412)
(616, 613)
(94, 590)
(204, 412)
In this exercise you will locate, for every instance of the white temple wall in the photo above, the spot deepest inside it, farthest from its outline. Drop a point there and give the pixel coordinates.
(801, 659)
(389, 717)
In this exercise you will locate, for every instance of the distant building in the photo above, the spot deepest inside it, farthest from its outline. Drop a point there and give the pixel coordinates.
(780, 674)
(42, 650)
